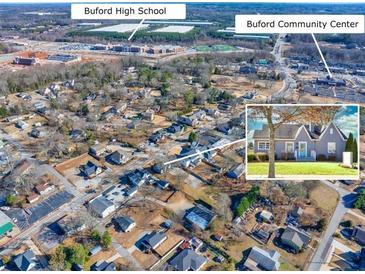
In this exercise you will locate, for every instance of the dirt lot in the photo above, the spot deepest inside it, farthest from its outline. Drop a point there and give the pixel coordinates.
(239, 85)
(317, 194)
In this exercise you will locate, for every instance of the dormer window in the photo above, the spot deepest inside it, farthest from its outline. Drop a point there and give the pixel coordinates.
(331, 131)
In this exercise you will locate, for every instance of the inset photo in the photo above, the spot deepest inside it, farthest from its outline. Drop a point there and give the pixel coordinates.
(302, 142)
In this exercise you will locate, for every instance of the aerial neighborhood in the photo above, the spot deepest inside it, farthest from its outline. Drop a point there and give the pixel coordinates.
(120, 155)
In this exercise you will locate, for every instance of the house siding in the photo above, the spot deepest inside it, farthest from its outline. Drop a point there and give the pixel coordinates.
(319, 146)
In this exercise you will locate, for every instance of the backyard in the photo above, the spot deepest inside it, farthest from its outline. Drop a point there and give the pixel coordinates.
(301, 168)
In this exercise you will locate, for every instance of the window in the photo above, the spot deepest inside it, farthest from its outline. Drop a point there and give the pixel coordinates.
(289, 147)
(331, 148)
(331, 131)
(263, 145)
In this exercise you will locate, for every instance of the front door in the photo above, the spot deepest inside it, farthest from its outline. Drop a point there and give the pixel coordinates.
(302, 149)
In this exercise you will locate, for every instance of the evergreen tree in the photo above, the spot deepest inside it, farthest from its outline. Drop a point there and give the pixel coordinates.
(349, 142)
(354, 151)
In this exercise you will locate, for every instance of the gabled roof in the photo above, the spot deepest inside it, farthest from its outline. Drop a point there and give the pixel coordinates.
(359, 233)
(263, 259)
(154, 238)
(296, 236)
(25, 260)
(200, 216)
(100, 204)
(124, 222)
(291, 132)
(115, 157)
(103, 266)
(188, 260)
(89, 169)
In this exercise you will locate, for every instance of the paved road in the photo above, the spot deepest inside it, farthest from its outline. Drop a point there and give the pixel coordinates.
(289, 83)
(319, 257)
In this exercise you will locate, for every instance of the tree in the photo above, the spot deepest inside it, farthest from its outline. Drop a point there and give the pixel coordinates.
(95, 235)
(275, 116)
(76, 254)
(106, 239)
(10, 200)
(360, 201)
(193, 137)
(349, 142)
(354, 151)
(57, 261)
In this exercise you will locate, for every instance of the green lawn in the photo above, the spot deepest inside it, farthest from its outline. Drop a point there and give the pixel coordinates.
(207, 48)
(300, 168)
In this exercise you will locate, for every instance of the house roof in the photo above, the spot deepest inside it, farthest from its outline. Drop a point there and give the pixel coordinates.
(103, 266)
(296, 236)
(124, 222)
(100, 204)
(115, 157)
(188, 260)
(359, 233)
(89, 169)
(154, 238)
(290, 131)
(25, 260)
(263, 259)
(200, 216)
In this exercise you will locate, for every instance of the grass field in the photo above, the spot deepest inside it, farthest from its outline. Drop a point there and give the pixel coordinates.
(300, 168)
(205, 48)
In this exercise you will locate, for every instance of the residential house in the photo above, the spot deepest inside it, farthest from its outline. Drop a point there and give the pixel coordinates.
(6, 225)
(302, 142)
(90, 170)
(103, 266)
(295, 238)
(153, 240)
(362, 259)
(199, 216)
(162, 184)
(189, 121)
(175, 128)
(138, 177)
(297, 212)
(36, 133)
(97, 150)
(25, 261)
(95, 250)
(188, 260)
(358, 234)
(21, 124)
(131, 191)
(236, 172)
(70, 225)
(116, 158)
(148, 115)
(259, 260)
(124, 223)
(32, 198)
(266, 216)
(44, 188)
(101, 206)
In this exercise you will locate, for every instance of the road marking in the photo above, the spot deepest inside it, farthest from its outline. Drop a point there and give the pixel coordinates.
(135, 30)
(320, 53)
(204, 151)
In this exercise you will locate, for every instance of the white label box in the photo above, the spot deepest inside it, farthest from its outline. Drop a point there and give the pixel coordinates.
(128, 11)
(303, 23)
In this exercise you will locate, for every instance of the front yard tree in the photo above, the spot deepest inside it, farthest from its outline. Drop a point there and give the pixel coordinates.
(275, 116)
(106, 239)
(354, 151)
(349, 142)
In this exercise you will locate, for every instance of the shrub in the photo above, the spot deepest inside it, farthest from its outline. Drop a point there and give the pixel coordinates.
(262, 157)
(251, 157)
(321, 157)
(332, 158)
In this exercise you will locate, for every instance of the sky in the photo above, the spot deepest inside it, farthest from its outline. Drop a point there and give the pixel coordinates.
(346, 119)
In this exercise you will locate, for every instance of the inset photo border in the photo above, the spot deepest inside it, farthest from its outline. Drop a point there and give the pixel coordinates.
(309, 141)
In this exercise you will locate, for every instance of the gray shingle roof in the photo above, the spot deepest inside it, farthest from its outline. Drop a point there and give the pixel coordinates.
(100, 204)
(296, 236)
(25, 260)
(267, 260)
(285, 131)
(188, 260)
(153, 239)
(123, 222)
